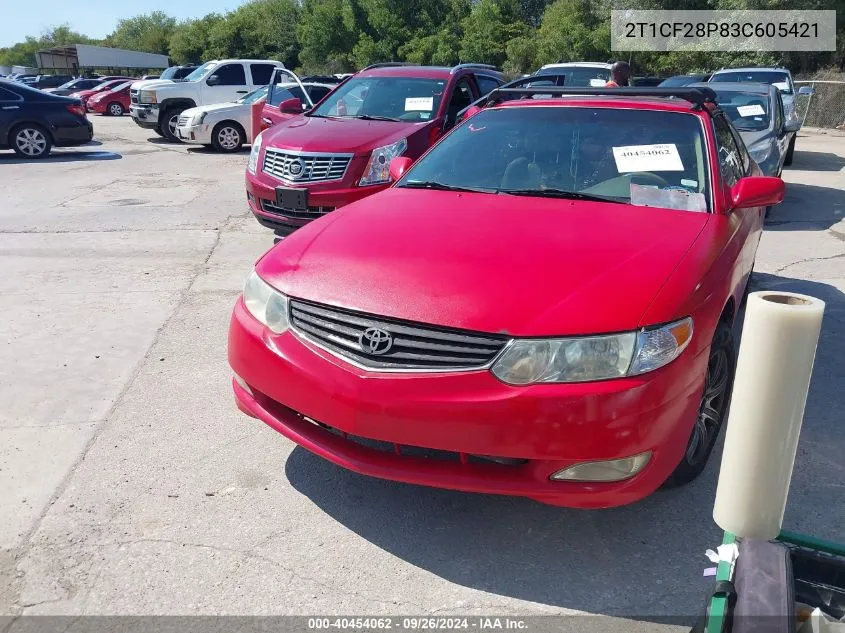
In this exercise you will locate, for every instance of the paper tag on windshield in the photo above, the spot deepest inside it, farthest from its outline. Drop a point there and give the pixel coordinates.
(672, 198)
(424, 104)
(597, 83)
(663, 157)
(751, 110)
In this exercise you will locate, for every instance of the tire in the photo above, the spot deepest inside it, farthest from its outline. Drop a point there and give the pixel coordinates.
(30, 141)
(712, 410)
(114, 109)
(787, 161)
(168, 122)
(227, 136)
(158, 131)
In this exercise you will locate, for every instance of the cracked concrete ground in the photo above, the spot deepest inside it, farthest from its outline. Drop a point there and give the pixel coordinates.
(131, 484)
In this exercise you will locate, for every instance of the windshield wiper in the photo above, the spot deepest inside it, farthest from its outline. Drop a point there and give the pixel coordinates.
(374, 117)
(558, 193)
(432, 184)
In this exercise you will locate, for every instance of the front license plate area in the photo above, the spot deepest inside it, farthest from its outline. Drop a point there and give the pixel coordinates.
(292, 199)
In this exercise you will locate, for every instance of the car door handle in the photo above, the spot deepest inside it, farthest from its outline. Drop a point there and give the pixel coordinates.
(241, 92)
(11, 108)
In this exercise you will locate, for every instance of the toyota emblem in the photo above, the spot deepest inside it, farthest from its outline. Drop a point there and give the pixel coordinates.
(375, 341)
(296, 167)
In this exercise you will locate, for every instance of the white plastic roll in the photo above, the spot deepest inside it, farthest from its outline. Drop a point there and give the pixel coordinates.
(773, 371)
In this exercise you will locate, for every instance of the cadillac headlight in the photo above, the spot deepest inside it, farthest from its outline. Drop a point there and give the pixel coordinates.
(267, 305)
(583, 359)
(252, 163)
(147, 96)
(198, 118)
(378, 168)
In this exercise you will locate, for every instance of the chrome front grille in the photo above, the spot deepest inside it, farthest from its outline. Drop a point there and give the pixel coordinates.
(295, 167)
(183, 120)
(310, 214)
(414, 346)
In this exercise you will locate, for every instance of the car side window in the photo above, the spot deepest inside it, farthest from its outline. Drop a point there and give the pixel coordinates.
(318, 92)
(261, 73)
(461, 98)
(778, 113)
(8, 95)
(231, 75)
(486, 84)
(730, 157)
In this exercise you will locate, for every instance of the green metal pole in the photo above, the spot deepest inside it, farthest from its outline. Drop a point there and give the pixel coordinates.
(718, 611)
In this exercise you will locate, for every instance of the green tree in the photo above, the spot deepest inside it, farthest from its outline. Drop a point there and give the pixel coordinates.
(23, 53)
(261, 29)
(190, 41)
(149, 32)
(327, 32)
(488, 28)
(576, 30)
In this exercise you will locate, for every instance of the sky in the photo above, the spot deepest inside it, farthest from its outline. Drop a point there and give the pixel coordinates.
(95, 18)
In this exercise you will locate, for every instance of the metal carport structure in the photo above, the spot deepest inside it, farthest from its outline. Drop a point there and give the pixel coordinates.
(77, 56)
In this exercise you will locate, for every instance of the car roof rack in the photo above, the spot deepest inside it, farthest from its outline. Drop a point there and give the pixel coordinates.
(696, 96)
(458, 67)
(387, 65)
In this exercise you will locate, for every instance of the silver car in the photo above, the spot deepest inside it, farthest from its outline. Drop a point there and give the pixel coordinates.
(757, 113)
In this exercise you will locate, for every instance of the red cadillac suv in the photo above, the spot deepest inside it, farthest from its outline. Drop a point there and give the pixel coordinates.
(541, 306)
(339, 152)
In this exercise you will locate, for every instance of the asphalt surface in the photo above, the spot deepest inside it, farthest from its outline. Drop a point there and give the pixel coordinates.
(132, 485)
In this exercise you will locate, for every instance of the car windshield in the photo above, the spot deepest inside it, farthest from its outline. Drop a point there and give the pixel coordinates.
(391, 98)
(253, 96)
(122, 86)
(283, 92)
(580, 76)
(640, 157)
(677, 82)
(200, 72)
(747, 110)
(778, 79)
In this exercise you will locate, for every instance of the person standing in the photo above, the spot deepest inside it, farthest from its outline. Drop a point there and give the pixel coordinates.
(620, 75)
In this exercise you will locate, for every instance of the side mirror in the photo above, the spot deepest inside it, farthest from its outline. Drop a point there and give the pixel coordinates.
(806, 90)
(214, 80)
(469, 112)
(291, 106)
(398, 167)
(793, 124)
(757, 191)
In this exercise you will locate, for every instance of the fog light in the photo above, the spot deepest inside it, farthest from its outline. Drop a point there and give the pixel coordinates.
(242, 383)
(612, 470)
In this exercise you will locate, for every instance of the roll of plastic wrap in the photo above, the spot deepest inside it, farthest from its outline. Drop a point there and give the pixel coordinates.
(773, 371)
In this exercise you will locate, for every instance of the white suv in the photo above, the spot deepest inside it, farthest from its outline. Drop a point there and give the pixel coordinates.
(158, 106)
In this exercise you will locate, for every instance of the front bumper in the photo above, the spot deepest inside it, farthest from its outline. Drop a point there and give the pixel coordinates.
(466, 415)
(197, 134)
(144, 115)
(322, 198)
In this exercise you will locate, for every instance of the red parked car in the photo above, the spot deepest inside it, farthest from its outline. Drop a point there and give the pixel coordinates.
(541, 306)
(113, 102)
(105, 85)
(339, 152)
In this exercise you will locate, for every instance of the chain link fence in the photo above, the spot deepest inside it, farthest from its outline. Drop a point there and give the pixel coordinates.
(824, 106)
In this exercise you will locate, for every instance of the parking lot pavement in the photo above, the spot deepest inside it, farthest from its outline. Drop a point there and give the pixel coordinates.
(133, 486)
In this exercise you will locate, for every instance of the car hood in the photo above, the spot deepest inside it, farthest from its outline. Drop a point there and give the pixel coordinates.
(490, 263)
(754, 137)
(314, 134)
(146, 84)
(228, 107)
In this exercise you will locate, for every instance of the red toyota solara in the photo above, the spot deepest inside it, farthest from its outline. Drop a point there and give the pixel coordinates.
(540, 306)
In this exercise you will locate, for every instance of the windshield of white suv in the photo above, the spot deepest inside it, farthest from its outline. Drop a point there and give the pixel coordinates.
(579, 76)
(200, 72)
(384, 98)
(253, 96)
(638, 157)
(771, 77)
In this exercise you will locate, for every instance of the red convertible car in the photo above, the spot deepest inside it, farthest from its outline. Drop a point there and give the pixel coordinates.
(542, 305)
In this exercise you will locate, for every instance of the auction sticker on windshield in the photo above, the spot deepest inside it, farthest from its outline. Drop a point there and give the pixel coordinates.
(750, 110)
(661, 157)
(419, 104)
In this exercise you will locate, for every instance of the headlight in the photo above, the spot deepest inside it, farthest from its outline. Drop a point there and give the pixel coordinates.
(760, 153)
(252, 163)
(147, 96)
(266, 304)
(378, 169)
(530, 361)
(198, 118)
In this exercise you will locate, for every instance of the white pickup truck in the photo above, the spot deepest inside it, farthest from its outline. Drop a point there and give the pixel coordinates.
(157, 106)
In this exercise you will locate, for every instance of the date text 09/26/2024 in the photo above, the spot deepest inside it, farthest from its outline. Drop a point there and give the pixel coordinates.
(422, 623)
